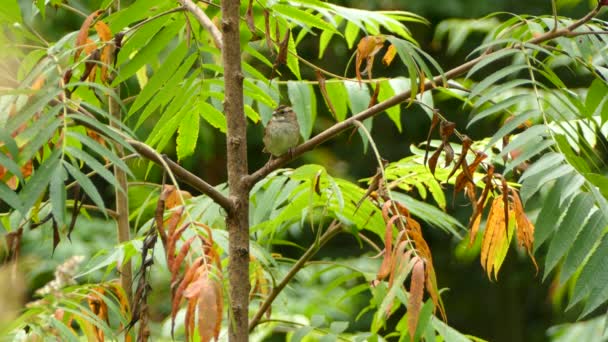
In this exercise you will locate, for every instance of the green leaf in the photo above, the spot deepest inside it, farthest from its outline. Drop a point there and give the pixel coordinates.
(11, 13)
(11, 198)
(101, 150)
(394, 112)
(339, 98)
(148, 52)
(324, 41)
(292, 61)
(303, 17)
(547, 161)
(10, 165)
(482, 86)
(94, 165)
(169, 91)
(57, 194)
(358, 100)
(503, 105)
(187, 134)
(550, 214)
(590, 234)
(213, 116)
(596, 98)
(303, 102)
(594, 274)
(86, 185)
(568, 229)
(134, 12)
(491, 58)
(338, 327)
(38, 182)
(448, 333)
(161, 76)
(565, 148)
(351, 32)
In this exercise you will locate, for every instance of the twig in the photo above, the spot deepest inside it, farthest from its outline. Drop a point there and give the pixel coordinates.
(181, 173)
(333, 229)
(204, 20)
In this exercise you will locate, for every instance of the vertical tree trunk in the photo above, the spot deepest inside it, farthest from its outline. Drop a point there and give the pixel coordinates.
(237, 221)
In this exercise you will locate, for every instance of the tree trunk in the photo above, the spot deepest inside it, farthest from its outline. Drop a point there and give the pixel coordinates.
(237, 221)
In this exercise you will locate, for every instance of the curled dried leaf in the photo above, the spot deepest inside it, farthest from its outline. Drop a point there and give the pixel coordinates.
(83, 33)
(436, 119)
(367, 48)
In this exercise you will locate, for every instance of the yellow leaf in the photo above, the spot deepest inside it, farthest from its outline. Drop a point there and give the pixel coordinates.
(390, 54)
(367, 48)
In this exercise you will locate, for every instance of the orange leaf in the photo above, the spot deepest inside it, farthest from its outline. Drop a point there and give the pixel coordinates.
(210, 307)
(177, 261)
(106, 54)
(387, 261)
(431, 289)
(189, 319)
(414, 302)
(390, 54)
(83, 34)
(493, 236)
(103, 31)
(179, 292)
(474, 228)
(367, 48)
(525, 228)
(174, 197)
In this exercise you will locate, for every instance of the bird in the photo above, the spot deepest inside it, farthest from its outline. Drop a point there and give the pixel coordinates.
(282, 133)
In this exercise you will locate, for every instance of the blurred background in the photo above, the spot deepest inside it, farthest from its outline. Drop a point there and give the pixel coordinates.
(519, 307)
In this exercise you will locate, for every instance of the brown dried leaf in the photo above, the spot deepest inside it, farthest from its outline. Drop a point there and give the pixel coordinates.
(387, 261)
(374, 100)
(414, 303)
(178, 294)
(250, 21)
(390, 54)
(474, 225)
(283, 49)
(525, 228)
(432, 162)
(83, 34)
(432, 290)
(177, 261)
(323, 89)
(434, 122)
(446, 130)
(367, 48)
(210, 308)
(466, 146)
(267, 31)
(449, 154)
(189, 319)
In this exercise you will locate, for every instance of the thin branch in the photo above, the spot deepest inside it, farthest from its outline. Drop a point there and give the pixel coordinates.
(333, 229)
(183, 174)
(143, 22)
(204, 20)
(399, 98)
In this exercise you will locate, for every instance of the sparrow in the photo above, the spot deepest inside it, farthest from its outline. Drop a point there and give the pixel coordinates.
(282, 132)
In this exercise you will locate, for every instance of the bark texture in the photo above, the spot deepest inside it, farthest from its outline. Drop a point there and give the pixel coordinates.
(237, 220)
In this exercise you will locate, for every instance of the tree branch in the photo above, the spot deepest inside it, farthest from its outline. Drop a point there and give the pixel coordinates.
(331, 231)
(182, 174)
(399, 98)
(204, 20)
